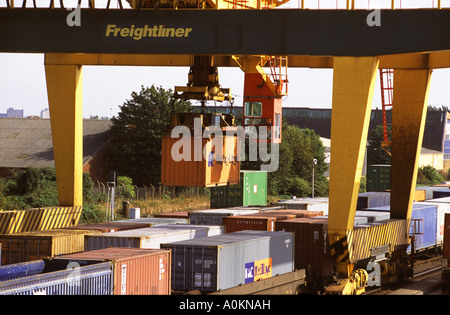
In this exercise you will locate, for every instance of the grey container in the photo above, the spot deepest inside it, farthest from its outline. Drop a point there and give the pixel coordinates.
(151, 222)
(225, 261)
(147, 237)
(214, 216)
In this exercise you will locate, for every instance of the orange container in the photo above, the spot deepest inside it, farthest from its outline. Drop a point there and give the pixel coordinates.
(248, 222)
(137, 271)
(184, 164)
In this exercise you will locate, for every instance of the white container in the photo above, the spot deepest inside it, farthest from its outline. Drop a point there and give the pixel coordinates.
(442, 209)
(144, 238)
(134, 213)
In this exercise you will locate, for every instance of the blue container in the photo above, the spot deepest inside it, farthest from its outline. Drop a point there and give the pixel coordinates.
(427, 213)
(373, 199)
(15, 271)
(57, 279)
(441, 193)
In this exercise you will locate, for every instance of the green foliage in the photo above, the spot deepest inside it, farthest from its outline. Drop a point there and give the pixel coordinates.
(428, 175)
(375, 153)
(137, 133)
(298, 149)
(125, 188)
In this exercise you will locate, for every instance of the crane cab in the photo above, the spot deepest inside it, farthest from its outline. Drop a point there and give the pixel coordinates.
(262, 110)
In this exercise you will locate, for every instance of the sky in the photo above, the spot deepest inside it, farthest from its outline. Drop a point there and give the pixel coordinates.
(22, 77)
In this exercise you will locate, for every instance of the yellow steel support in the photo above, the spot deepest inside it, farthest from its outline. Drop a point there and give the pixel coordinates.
(409, 112)
(64, 88)
(353, 87)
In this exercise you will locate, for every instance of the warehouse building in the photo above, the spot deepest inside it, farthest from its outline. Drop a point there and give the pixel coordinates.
(28, 143)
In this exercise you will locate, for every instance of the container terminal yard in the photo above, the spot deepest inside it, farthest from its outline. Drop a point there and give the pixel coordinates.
(390, 242)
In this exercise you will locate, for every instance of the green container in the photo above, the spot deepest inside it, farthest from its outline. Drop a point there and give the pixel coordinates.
(251, 191)
(378, 177)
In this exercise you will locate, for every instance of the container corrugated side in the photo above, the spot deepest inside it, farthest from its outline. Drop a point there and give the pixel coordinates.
(136, 271)
(443, 193)
(198, 171)
(311, 245)
(373, 199)
(446, 246)
(152, 222)
(143, 238)
(315, 204)
(211, 230)
(442, 210)
(214, 216)
(36, 245)
(427, 213)
(95, 279)
(106, 227)
(240, 223)
(224, 261)
(20, 270)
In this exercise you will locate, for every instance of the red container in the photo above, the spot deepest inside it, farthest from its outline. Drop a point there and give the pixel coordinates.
(247, 222)
(447, 237)
(311, 245)
(136, 271)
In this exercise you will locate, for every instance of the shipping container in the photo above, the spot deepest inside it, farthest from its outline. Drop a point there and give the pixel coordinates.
(312, 251)
(251, 191)
(214, 216)
(373, 216)
(358, 220)
(194, 168)
(152, 222)
(373, 199)
(442, 209)
(314, 204)
(35, 245)
(136, 271)
(145, 238)
(224, 261)
(378, 177)
(446, 246)
(105, 227)
(211, 230)
(440, 200)
(425, 215)
(429, 190)
(248, 222)
(48, 279)
(441, 193)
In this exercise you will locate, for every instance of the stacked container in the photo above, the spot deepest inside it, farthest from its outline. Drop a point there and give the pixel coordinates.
(106, 227)
(224, 261)
(314, 204)
(41, 277)
(311, 244)
(441, 193)
(264, 221)
(214, 216)
(373, 199)
(29, 246)
(135, 271)
(148, 237)
(152, 222)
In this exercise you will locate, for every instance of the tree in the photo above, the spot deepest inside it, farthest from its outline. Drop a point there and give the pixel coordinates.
(137, 133)
(298, 149)
(375, 153)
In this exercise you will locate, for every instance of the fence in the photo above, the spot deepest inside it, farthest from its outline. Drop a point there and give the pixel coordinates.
(154, 192)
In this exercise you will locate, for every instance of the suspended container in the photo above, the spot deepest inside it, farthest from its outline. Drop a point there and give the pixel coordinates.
(135, 271)
(224, 261)
(251, 191)
(200, 156)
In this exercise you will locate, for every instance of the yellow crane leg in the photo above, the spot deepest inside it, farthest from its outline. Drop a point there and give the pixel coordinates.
(409, 112)
(353, 86)
(64, 89)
